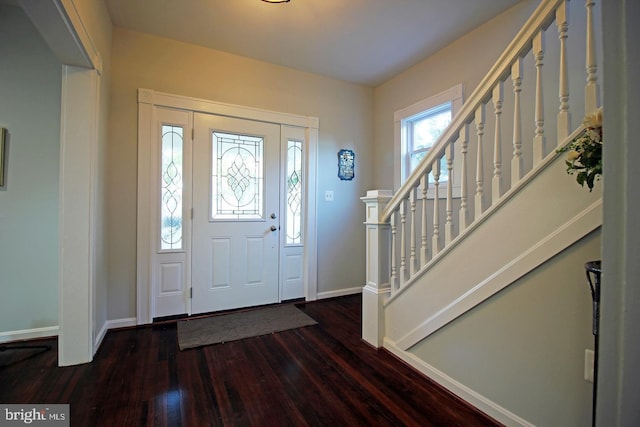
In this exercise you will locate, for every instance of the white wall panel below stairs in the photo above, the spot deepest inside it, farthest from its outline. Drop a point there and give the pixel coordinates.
(543, 218)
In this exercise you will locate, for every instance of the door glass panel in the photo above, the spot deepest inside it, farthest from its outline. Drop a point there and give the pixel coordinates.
(171, 191)
(237, 176)
(294, 193)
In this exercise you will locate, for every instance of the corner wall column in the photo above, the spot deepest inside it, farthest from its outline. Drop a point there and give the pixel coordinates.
(377, 288)
(77, 214)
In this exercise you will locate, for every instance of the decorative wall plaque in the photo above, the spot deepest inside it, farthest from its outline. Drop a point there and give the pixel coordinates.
(346, 165)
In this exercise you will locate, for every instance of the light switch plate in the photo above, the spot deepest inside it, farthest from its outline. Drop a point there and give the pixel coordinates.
(588, 365)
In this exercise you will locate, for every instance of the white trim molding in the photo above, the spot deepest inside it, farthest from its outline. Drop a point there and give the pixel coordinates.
(340, 293)
(112, 324)
(474, 398)
(29, 334)
(159, 99)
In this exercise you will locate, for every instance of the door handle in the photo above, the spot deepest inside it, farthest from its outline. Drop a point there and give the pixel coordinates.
(274, 228)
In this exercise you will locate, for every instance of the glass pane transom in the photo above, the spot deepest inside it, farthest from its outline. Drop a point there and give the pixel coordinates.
(237, 176)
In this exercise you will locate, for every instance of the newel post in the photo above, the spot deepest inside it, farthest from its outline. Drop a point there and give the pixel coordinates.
(377, 289)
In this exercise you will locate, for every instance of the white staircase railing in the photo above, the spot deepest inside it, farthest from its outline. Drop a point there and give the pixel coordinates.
(410, 230)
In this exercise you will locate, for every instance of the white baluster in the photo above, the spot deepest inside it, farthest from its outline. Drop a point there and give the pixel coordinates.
(539, 140)
(463, 139)
(424, 184)
(394, 245)
(412, 237)
(479, 200)
(435, 242)
(516, 161)
(564, 117)
(403, 243)
(591, 89)
(497, 183)
(448, 228)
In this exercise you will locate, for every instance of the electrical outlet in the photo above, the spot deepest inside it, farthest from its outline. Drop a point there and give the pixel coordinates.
(328, 196)
(588, 365)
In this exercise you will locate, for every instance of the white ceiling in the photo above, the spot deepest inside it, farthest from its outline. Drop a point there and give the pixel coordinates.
(360, 41)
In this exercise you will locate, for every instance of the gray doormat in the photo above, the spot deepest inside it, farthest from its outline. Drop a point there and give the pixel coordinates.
(236, 326)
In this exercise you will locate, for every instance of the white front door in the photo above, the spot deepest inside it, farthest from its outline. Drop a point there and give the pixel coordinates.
(236, 215)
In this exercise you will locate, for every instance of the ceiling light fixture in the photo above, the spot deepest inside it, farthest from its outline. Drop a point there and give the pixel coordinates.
(276, 1)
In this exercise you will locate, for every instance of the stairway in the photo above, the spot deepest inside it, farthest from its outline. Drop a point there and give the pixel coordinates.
(433, 258)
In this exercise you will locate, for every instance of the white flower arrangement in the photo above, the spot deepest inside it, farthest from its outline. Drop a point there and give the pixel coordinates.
(584, 153)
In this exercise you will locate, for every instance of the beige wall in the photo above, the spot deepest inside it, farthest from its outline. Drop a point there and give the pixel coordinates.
(344, 110)
(524, 348)
(464, 61)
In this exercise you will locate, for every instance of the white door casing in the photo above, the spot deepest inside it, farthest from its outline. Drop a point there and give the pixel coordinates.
(236, 213)
(297, 262)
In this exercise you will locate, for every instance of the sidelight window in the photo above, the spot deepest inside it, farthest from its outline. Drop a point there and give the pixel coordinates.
(294, 193)
(171, 172)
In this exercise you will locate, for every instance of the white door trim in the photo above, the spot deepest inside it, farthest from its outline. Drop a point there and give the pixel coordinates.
(147, 101)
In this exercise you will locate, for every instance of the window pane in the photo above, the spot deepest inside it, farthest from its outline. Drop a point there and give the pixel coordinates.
(294, 193)
(171, 191)
(427, 129)
(416, 158)
(424, 129)
(237, 176)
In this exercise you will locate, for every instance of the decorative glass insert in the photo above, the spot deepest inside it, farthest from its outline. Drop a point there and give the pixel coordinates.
(237, 176)
(171, 188)
(294, 193)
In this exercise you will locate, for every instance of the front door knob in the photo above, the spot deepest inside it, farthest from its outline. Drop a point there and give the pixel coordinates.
(274, 228)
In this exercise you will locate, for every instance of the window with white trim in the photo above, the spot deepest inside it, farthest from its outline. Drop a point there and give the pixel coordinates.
(418, 128)
(421, 132)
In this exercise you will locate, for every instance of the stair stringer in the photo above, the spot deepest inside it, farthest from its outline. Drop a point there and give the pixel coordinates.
(539, 220)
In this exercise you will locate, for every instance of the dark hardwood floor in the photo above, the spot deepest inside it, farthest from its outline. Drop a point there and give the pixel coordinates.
(322, 375)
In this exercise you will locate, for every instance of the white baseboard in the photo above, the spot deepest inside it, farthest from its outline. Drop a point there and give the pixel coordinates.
(112, 324)
(470, 396)
(52, 331)
(28, 334)
(121, 323)
(340, 293)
